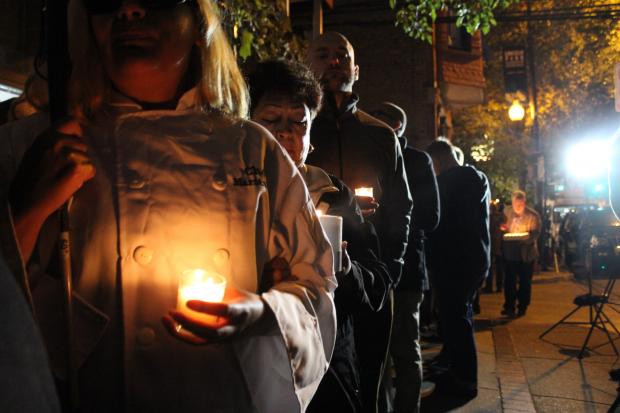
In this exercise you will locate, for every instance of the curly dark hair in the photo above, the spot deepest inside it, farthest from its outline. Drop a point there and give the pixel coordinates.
(286, 77)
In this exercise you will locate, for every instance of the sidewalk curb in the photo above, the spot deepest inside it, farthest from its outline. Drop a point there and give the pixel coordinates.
(513, 385)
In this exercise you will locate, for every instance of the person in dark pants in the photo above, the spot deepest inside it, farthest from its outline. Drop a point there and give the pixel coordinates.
(405, 341)
(363, 152)
(520, 253)
(459, 260)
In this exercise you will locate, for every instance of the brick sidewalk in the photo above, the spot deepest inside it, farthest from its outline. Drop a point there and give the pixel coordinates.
(518, 372)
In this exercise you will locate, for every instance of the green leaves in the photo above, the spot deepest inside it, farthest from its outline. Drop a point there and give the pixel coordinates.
(247, 39)
(416, 17)
(264, 29)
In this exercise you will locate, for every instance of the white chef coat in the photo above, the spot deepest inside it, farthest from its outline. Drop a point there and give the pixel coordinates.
(176, 190)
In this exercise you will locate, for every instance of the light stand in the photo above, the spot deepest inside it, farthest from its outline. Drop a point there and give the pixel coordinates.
(597, 317)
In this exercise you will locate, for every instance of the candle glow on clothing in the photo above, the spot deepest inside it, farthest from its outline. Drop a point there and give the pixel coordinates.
(368, 192)
(202, 285)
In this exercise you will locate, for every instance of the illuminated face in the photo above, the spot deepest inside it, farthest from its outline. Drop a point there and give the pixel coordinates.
(288, 121)
(332, 60)
(135, 42)
(518, 205)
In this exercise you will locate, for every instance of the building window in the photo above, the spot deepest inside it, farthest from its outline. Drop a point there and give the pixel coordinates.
(458, 38)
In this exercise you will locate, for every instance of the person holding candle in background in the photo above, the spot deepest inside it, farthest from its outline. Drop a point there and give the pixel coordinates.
(285, 99)
(363, 152)
(520, 252)
(167, 178)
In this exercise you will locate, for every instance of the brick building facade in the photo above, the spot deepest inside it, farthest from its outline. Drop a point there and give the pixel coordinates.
(428, 82)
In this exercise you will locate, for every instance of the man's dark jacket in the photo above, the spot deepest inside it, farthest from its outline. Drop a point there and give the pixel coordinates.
(364, 152)
(424, 216)
(365, 286)
(459, 249)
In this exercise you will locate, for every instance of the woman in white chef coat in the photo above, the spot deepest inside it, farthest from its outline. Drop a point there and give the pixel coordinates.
(165, 176)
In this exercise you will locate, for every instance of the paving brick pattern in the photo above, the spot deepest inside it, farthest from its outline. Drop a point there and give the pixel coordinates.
(514, 388)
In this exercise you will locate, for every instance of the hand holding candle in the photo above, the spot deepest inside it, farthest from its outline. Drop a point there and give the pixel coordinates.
(365, 192)
(216, 321)
(365, 199)
(202, 285)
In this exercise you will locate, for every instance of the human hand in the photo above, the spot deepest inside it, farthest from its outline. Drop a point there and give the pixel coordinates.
(367, 204)
(346, 260)
(52, 170)
(238, 311)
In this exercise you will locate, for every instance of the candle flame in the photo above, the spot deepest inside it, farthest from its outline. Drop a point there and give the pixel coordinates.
(364, 191)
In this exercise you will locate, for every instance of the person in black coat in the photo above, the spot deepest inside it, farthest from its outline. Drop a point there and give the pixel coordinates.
(459, 260)
(285, 99)
(405, 343)
(363, 152)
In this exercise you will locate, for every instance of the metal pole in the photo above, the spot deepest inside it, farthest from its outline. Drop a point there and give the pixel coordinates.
(317, 19)
(537, 148)
(59, 68)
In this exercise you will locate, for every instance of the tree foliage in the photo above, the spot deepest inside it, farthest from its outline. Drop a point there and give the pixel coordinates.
(260, 29)
(416, 17)
(574, 72)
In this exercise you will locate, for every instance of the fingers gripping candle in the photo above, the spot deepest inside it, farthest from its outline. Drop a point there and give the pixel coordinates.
(203, 285)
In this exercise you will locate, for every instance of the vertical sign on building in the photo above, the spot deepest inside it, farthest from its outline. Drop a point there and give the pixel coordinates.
(515, 74)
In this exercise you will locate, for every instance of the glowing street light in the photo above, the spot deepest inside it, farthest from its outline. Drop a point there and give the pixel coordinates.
(516, 112)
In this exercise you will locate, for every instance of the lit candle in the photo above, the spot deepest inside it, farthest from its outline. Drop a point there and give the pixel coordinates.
(368, 192)
(516, 236)
(332, 226)
(203, 285)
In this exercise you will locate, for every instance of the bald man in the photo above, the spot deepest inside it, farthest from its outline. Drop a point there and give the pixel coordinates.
(363, 152)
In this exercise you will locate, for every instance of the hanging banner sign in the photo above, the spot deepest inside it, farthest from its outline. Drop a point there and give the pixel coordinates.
(515, 74)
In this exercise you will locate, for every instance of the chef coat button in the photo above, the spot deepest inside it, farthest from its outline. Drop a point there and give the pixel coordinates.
(219, 183)
(146, 336)
(221, 257)
(143, 255)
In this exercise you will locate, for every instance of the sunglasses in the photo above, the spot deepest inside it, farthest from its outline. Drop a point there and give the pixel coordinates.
(94, 7)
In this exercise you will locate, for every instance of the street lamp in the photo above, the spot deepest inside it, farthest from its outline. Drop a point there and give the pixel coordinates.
(516, 113)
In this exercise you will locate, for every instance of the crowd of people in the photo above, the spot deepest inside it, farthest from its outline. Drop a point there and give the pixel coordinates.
(163, 172)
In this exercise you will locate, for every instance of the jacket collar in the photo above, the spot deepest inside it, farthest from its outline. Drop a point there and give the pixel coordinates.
(189, 100)
(317, 181)
(330, 110)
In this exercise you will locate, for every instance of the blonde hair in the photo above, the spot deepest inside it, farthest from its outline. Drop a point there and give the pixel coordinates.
(219, 82)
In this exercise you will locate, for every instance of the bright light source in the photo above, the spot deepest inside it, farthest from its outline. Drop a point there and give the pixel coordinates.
(516, 111)
(8, 92)
(599, 187)
(588, 159)
(559, 188)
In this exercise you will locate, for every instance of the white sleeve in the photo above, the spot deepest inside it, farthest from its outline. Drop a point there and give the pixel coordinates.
(302, 303)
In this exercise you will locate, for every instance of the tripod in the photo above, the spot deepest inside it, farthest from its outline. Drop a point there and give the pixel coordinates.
(597, 317)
